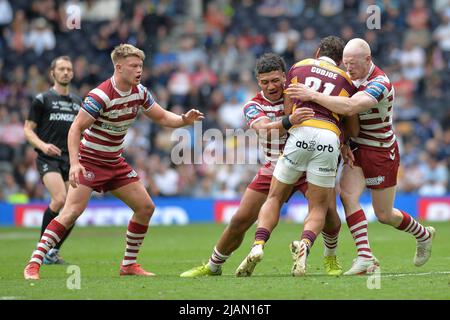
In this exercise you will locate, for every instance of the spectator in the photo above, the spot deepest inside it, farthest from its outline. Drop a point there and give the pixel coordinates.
(209, 66)
(40, 38)
(167, 179)
(435, 177)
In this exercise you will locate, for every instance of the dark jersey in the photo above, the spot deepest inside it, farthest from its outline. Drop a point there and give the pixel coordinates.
(54, 114)
(321, 75)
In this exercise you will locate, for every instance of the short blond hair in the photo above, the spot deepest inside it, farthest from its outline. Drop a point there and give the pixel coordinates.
(126, 50)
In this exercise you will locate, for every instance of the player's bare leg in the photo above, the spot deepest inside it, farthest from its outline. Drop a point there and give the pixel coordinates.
(383, 202)
(330, 234)
(352, 185)
(318, 203)
(136, 197)
(76, 203)
(244, 218)
(267, 220)
(232, 236)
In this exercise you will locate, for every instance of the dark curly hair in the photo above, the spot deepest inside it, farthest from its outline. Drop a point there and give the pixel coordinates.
(269, 62)
(332, 47)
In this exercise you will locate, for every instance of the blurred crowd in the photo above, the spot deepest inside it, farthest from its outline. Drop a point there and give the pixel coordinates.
(201, 53)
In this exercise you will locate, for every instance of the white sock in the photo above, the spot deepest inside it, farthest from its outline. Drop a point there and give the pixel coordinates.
(216, 260)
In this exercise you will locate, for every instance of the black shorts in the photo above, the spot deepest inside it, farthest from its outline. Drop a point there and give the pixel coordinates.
(47, 164)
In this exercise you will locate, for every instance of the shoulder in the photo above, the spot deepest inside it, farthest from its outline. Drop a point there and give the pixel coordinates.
(253, 106)
(40, 97)
(75, 97)
(143, 91)
(378, 76)
(304, 62)
(103, 93)
(43, 97)
(256, 100)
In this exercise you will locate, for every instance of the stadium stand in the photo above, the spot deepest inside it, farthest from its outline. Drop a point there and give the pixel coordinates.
(201, 54)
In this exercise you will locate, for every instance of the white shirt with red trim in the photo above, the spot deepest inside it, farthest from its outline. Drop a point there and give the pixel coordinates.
(258, 108)
(376, 123)
(114, 112)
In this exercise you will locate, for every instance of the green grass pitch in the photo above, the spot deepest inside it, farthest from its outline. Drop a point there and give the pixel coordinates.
(170, 250)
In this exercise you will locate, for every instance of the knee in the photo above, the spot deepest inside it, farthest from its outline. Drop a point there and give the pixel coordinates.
(58, 201)
(146, 210)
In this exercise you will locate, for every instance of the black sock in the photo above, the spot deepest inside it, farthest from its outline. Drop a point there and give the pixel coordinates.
(58, 246)
(49, 215)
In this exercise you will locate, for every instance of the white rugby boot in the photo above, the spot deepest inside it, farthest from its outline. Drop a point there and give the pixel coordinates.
(423, 249)
(247, 266)
(363, 266)
(299, 251)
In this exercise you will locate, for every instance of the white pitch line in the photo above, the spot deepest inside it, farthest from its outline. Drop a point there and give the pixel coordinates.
(387, 275)
(414, 274)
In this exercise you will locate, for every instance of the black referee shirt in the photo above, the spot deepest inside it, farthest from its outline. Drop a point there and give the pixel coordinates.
(54, 114)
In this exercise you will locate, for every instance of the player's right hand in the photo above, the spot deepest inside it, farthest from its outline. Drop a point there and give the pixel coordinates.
(51, 150)
(347, 155)
(74, 174)
(300, 115)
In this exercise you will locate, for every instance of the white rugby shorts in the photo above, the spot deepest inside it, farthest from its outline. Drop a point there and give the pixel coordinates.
(313, 150)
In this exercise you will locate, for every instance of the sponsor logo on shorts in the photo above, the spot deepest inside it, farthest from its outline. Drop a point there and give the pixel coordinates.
(392, 154)
(375, 181)
(90, 176)
(289, 160)
(311, 146)
(45, 167)
(132, 174)
(327, 169)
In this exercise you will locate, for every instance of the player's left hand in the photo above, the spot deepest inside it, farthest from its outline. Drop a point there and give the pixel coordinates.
(299, 91)
(191, 116)
(300, 115)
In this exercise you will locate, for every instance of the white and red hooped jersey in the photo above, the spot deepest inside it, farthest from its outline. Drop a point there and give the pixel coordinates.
(258, 108)
(376, 123)
(114, 112)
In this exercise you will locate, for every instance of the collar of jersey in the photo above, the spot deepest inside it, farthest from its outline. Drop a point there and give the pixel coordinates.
(122, 93)
(329, 60)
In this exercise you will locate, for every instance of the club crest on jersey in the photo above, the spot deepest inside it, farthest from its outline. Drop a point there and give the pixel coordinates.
(90, 176)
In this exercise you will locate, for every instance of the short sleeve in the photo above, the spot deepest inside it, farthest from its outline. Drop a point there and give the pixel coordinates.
(253, 113)
(377, 89)
(37, 108)
(92, 106)
(149, 101)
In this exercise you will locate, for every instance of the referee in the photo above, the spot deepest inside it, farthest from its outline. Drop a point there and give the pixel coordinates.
(51, 114)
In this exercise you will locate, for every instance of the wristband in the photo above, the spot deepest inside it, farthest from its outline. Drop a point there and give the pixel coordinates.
(286, 123)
